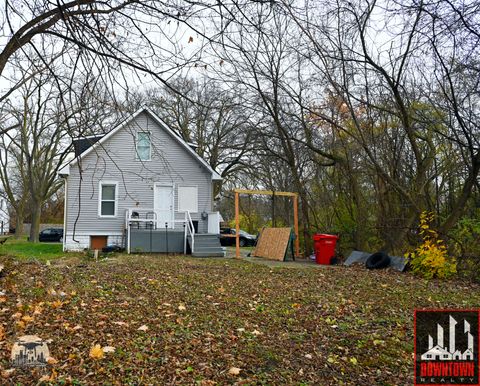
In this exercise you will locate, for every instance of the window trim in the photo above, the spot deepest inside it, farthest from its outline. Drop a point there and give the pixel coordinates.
(100, 184)
(137, 157)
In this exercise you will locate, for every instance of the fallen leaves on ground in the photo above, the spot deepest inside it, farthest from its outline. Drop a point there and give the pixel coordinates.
(96, 352)
(234, 371)
(176, 320)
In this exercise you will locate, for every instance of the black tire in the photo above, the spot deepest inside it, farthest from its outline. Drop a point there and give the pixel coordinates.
(243, 242)
(378, 260)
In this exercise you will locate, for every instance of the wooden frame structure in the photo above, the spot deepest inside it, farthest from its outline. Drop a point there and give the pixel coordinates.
(294, 196)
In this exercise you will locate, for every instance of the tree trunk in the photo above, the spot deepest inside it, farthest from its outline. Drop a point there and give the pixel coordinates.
(359, 212)
(307, 240)
(35, 226)
(361, 225)
(18, 225)
(395, 245)
(459, 206)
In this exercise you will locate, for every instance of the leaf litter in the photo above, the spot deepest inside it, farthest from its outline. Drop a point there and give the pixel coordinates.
(216, 321)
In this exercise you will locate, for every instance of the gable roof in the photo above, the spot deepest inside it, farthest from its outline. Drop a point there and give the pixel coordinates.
(66, 169)
(82, 144)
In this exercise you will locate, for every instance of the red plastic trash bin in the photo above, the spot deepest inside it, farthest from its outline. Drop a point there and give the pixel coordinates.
(324, 247)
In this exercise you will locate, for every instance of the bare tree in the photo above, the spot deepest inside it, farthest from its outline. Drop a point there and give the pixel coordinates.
(454, 35)
(391, 97)
(40, 144)
(109, 37)
(259, 54)
(11, 167)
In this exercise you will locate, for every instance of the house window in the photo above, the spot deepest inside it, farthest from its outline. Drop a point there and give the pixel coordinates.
(188, 199)
(143, 146)
(108, 199)
(429, 355)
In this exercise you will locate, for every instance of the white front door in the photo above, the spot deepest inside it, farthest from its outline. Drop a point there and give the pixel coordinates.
(163, 205)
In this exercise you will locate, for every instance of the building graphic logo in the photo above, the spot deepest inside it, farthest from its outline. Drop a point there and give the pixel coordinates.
(29, 351)
(446, 347)
(441, 352)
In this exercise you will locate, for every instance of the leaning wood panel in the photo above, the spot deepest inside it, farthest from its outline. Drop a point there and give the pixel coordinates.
(273, 243)
(98, 242)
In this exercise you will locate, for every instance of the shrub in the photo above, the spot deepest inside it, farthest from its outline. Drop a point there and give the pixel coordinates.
(464, 242)
(465, 237)
(430, 259)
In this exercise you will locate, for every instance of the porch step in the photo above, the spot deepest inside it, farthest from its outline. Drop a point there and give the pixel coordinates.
(209, 252)
(206, 236)
(207, 245)
(205, 242)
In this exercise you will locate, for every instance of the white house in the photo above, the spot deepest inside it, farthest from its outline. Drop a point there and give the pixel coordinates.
(142, 187)
(4, 216)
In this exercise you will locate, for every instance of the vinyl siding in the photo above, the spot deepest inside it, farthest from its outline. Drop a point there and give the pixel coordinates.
(4, 217)
(116, 160)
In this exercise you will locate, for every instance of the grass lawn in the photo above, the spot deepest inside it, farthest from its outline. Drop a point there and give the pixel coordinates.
(23, 249)
(179, 320)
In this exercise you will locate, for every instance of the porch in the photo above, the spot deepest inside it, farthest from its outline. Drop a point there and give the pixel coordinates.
(147, 231)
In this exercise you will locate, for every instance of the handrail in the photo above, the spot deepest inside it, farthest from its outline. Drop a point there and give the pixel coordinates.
(127, 229)
(187, 221)
(136, 219)
(129, 218)
(191, 228)
(185, 234)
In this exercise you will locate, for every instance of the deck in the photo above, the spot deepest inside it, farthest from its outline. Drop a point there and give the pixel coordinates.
(178, 236)
(157, 240)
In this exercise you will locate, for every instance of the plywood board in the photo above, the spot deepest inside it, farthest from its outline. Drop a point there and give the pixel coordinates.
(98, 242)
(273, 243)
